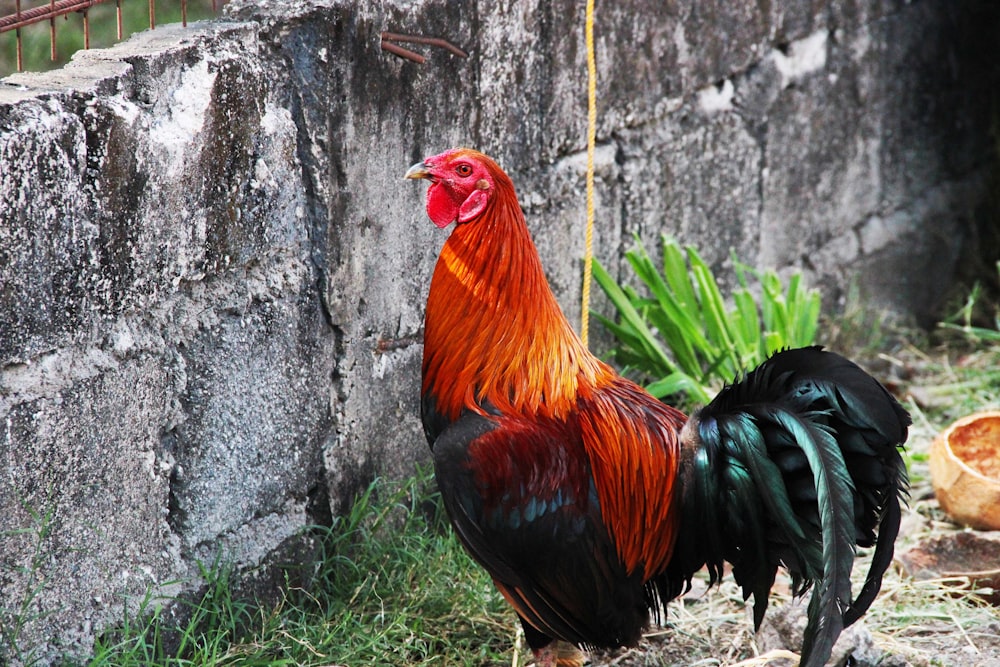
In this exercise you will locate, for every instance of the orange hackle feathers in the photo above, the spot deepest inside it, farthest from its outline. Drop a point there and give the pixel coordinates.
(495, 332)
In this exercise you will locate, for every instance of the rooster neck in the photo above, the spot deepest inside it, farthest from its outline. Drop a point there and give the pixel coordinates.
(495, 337)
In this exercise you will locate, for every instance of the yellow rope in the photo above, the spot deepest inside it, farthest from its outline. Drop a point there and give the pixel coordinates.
(588, 254)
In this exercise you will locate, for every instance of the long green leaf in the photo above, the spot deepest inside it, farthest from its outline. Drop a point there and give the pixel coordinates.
(677, 383)
(678, 339)
(747, 324)
(681, 331)
(645, 337)
(683, 307)
(675, 270)
(714, 310)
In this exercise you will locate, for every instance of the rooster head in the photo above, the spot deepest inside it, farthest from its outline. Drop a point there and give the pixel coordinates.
(463, 182)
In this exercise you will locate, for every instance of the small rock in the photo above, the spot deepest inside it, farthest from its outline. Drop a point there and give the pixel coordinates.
(784, 627)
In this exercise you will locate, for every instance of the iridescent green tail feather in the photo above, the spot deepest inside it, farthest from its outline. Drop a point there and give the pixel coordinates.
(795, 465)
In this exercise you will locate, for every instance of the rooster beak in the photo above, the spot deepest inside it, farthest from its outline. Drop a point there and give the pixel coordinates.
(419, 170)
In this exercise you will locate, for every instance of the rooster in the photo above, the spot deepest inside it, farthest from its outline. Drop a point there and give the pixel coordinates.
(591, 503)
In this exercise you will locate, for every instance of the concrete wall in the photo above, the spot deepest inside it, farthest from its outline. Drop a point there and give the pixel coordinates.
(212, 275)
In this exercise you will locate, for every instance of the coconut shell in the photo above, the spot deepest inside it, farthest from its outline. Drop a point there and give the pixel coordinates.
(965, 470)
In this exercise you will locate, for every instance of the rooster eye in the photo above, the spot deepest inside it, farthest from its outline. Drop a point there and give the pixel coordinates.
(463, 170)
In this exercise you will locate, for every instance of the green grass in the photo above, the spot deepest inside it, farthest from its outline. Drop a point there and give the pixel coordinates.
(103, 31)
(393, 587)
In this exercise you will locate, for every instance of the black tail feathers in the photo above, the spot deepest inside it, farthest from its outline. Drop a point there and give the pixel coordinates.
(794, 466)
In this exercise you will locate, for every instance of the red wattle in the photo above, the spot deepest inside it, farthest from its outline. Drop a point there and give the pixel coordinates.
(440, 208)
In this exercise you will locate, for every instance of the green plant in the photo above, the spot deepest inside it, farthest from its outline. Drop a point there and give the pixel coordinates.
(962, 321)
(705, 341)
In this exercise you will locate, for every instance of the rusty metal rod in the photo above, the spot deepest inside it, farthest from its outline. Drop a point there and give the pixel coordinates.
(403, 53)
(56, 8)
(49, 12)
(418, 39)
(20, 45)
(52, 28)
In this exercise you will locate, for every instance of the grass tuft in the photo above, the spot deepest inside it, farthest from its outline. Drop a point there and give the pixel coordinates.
(393, 587)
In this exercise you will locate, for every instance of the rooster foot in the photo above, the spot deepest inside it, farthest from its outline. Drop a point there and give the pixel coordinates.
(559, 654)
(545, 657)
